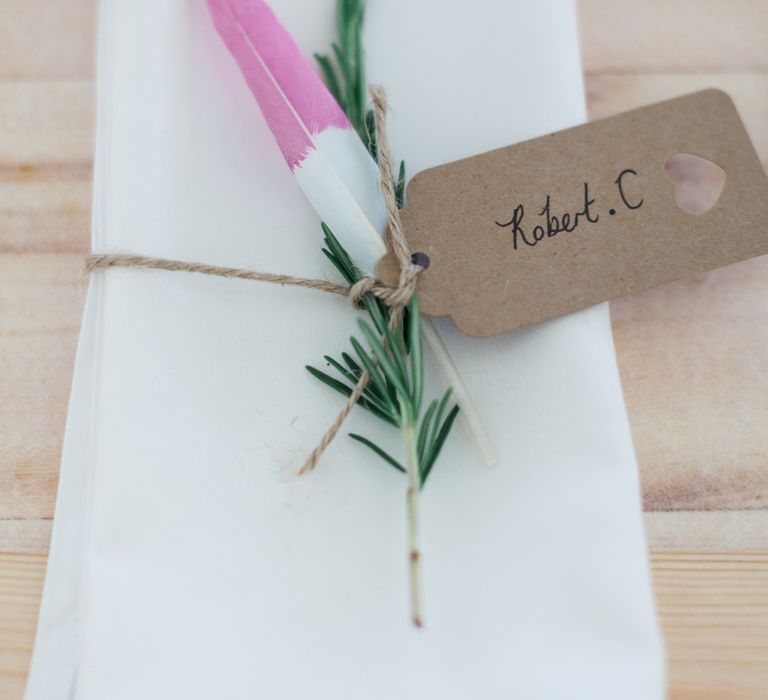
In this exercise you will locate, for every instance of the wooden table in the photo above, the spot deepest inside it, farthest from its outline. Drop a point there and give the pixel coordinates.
(693, 354)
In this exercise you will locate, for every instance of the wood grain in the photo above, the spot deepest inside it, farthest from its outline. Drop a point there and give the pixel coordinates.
(46, 144)
(39, 324)
(660, 36)
(46, 123)
(21, 584)
(611, 93)
(693, 530)
(47, 40)
(692, 354)
(713, 607)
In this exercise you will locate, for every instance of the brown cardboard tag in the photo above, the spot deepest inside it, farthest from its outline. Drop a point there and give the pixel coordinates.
(565, 221)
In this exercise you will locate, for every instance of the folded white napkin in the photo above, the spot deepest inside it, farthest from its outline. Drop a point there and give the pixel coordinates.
(188, 560)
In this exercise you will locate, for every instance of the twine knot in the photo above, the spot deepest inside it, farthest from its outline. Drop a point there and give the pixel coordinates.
(398, 296)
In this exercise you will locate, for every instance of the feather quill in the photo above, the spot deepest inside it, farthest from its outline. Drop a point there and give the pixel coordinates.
(323, 150)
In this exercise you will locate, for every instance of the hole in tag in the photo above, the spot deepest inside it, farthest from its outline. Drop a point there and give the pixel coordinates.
(420, 259)
(698, 182)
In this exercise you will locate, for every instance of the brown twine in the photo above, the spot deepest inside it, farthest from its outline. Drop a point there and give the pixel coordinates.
(396, 298)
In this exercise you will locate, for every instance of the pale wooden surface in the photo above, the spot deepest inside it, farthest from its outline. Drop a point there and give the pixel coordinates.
(693, 354)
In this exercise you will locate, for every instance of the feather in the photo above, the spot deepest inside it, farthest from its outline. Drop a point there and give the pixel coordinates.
(324, 152)
(319, 144)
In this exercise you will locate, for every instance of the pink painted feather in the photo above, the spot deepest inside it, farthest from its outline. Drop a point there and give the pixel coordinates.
(279, 76)
(324, 152)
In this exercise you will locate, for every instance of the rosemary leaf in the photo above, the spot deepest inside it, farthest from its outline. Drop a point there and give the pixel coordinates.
(328, 380)
(370, 135)
(349, 376)
(375, 375)
(416, 356)
(384, 455)
(390, 363)
(437, 445)
(425, 429)
(365, 402)
(370, 394)
(400, 186)
(350, 362)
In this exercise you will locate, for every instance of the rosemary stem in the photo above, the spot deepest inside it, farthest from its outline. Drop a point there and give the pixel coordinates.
(460, 391)
(412, 508)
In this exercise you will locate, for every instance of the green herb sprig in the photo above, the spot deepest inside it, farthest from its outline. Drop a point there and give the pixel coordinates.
(393, 358)
(391, 353)
(395, 364)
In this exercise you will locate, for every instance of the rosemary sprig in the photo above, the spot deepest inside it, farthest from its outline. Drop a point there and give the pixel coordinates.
(394, 393)
(391, 356)
(395, 364)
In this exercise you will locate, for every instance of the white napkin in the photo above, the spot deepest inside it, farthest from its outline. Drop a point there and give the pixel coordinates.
(188, 560)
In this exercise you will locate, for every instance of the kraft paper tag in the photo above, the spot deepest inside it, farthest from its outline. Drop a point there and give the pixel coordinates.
(565, 221)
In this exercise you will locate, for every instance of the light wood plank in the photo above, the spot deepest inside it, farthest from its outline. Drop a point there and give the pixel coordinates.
(45, 124)
(45, 209)
(674, 35)
(714, 529)
(25, 535)
(713, 608)
(692, 353)
(21, 585)
(611, 93)
(46, 145)
(47, 40)
(692, 356)
(41, 299)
